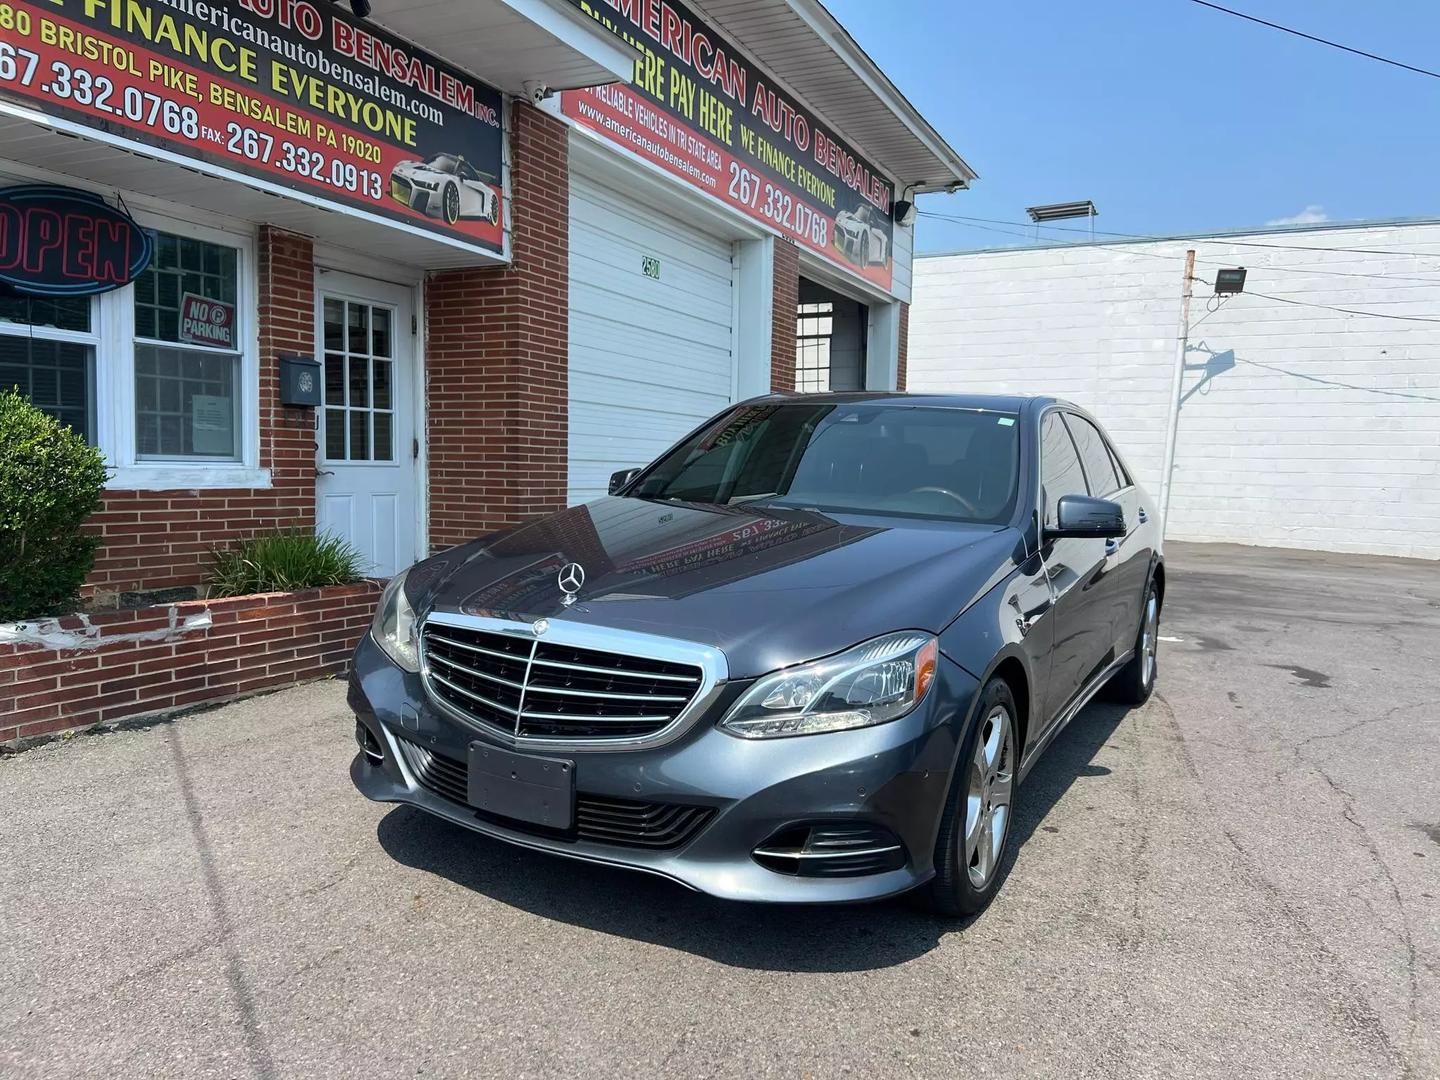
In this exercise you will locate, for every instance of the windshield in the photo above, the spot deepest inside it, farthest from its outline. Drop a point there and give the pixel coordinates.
(443, 163)
(855, 457)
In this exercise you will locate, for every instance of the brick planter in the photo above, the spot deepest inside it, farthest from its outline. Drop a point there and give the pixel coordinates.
(78, 671)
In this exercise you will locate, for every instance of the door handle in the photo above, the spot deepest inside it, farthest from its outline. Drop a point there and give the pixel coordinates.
(324, 472)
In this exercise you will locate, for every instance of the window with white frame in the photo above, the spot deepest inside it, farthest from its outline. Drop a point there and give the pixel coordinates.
(186, 303)
(814, 327)
(159, 375)
(47, 352)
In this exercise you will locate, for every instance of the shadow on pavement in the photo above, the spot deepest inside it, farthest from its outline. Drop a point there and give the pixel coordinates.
(757, 936)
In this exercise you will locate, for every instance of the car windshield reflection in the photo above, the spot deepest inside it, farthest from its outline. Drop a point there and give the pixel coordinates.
(848, 457)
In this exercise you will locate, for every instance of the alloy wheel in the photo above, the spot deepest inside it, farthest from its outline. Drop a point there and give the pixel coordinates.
(987, 804)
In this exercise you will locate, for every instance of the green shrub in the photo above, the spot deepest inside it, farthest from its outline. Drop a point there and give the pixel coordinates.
(284, 562)
(50, 482)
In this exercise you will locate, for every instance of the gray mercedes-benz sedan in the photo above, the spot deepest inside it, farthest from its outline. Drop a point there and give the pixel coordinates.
(808, 655)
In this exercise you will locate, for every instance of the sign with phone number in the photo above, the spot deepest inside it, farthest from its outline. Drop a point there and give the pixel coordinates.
(296, 92)
(700, 111)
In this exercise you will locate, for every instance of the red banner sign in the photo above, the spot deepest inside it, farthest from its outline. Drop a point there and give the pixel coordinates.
(298, 93)
(702, 113)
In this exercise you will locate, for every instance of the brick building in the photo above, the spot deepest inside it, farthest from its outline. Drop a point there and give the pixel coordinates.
(526, 242)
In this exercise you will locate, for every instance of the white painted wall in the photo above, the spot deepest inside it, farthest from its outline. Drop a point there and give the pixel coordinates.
(904, 263)
(1302, 427)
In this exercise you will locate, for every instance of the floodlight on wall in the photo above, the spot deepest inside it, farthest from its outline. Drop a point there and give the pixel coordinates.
(904, 213)
(1230, 282)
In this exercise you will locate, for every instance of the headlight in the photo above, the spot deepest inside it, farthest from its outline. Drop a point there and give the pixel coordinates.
(872, 683)
(394, 628)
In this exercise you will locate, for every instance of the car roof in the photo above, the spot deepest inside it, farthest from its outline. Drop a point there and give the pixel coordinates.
(1011, 403)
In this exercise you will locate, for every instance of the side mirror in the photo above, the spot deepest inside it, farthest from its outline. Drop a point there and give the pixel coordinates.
(620, 480)
(1087, 518)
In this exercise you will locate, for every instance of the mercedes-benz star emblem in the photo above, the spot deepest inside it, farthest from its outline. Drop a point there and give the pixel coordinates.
(571, 580)
(540, 626)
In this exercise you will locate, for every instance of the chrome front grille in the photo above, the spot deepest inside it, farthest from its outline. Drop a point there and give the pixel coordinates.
(600, 819)
(530, 687)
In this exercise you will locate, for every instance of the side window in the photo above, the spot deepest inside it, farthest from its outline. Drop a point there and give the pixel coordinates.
(1120, 472)
(1060, 471)
(1094, 455)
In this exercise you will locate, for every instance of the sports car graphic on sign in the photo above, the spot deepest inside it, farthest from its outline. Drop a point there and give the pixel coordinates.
(445, 187)
(858, 238)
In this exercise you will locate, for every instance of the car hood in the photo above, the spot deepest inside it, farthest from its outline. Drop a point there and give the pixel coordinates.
(766, 587)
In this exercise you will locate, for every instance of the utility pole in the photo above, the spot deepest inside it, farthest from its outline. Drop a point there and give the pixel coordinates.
(1177, 387)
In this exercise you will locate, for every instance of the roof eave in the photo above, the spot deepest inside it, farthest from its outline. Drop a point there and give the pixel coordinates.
(829, 29)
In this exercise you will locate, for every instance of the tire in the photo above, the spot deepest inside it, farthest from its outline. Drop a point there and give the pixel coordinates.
(450, 204)
(1133, 684)
(865, 251)
(495, 210)
(968, 871)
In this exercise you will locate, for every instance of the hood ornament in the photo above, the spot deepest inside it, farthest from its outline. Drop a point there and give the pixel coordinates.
(571, 580)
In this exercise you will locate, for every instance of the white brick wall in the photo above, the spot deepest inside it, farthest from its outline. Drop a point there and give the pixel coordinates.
(1325, 432)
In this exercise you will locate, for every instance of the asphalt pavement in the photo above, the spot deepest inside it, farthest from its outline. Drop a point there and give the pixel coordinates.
(1238, 879)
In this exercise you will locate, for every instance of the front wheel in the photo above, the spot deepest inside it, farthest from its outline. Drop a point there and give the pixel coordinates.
(1133, 683)
(450, 204)
(975, 833)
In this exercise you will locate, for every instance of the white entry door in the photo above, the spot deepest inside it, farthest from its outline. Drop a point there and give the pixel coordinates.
(366, 483)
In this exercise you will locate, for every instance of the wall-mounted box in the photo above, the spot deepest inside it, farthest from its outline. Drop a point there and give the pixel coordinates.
(299, 381)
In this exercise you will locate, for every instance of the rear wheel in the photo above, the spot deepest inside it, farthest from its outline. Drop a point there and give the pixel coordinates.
(975, 833)
(1134, 682)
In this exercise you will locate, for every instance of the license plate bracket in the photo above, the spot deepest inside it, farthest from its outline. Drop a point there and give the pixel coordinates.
(523, 787)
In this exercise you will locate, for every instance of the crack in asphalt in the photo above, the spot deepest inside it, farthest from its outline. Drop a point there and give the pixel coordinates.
(1139, 869)
(1351, 1003)
(261, 1062)
(1347, 799)
(108, 990)
(1406, 939)
(1363, 722)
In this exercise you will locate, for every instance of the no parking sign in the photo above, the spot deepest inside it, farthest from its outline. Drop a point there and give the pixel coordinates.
(207, 322)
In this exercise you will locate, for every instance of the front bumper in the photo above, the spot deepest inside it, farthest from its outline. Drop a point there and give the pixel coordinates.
(412, 195)
(895, 776)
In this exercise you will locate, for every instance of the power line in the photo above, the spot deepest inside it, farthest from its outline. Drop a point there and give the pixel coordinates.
(971, 223)
(1265, 296)
(1317, 40)
(963, 220)
(1344, 310)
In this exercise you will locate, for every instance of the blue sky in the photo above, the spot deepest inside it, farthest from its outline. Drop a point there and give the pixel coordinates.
(1173, 118)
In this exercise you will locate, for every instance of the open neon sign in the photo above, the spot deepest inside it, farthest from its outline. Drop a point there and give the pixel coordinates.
(58, 241)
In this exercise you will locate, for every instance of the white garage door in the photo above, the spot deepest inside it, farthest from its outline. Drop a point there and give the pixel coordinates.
(650, 357)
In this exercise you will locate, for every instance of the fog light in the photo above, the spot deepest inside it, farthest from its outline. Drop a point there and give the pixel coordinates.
(369, 744)
(847, 849)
